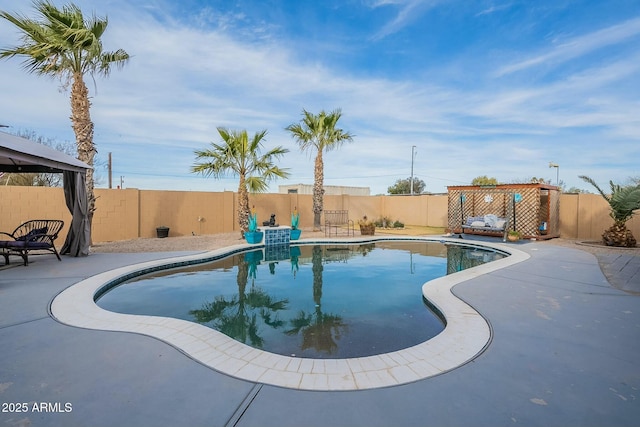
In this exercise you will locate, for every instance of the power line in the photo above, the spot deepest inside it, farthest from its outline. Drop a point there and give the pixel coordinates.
(197, 176)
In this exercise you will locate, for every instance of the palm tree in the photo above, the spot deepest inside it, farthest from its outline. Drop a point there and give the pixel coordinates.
(623, 201)
(241, 157)
(319, 133)
(63, 44)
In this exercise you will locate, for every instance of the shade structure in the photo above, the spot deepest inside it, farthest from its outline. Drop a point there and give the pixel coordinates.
(531, 209)
(20, 155)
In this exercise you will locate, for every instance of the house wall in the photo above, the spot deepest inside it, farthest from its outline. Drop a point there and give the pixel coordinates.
(328, 189)
(130, 213)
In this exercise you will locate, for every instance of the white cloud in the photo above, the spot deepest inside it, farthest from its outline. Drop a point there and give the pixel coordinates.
(408, 11)
(183, 81)
(493, 9)
(578, 46)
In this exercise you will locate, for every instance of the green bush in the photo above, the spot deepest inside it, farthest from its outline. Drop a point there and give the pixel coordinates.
(386, 222)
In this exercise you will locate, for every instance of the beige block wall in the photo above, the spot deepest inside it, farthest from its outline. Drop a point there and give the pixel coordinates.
(417, 210)
(428, 210)
(185, 212)
(359, 206)
(21, 204)
(116, 216)
(129, 214)
(282, 205)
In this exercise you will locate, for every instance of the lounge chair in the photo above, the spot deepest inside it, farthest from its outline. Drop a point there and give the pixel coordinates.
(34, 235)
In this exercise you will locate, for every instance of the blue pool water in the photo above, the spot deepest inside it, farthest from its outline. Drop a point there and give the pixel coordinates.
(316, 301)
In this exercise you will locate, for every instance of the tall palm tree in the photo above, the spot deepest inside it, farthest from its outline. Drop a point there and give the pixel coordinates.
(623, 201)
(62, 44)
(240, 156)
(318, 132)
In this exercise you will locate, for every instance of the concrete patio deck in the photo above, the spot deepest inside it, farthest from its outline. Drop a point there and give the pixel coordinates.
(564, 352)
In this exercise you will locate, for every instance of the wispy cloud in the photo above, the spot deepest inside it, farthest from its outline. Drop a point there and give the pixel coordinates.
(578, 46)
(408, 11)
(493, 9)
(186, 78)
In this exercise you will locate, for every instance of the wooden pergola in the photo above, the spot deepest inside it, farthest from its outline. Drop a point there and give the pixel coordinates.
(531, 209)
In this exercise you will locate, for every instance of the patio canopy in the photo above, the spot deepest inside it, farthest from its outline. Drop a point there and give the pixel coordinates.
(20, 155)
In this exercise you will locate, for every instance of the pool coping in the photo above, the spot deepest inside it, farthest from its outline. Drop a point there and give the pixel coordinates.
(464, 337)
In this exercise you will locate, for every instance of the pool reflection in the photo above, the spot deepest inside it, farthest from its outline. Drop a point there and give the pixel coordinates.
(317, 301)
(237, 315)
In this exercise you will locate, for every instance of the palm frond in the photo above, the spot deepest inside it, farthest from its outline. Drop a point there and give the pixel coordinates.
(256, 184)
(623, 201)
(239, 155)
(62, 42)
(594, 184)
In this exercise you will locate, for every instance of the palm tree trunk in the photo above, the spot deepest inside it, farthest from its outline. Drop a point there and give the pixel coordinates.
(619, 235)
(318, 191)
(243, 206)
(83, 129)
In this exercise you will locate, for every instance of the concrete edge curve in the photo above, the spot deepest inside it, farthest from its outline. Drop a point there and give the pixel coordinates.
(465, 336)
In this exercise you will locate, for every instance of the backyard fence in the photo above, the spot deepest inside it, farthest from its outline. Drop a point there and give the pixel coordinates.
(131, 213)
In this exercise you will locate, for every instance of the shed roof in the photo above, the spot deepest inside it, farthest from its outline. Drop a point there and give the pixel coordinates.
(504, 186)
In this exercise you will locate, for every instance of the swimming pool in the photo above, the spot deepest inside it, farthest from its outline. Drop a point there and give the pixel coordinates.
(465, 336)
(313, 301)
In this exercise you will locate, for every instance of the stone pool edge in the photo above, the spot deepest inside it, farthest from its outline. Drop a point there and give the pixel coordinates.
(465, 336)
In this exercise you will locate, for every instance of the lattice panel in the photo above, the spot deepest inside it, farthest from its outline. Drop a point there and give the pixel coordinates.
(528, 212)
(488, 202)
(480, 202)
(454, 217)
(535, 206)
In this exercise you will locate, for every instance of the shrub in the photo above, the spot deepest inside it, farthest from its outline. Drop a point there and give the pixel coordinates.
(384, 222)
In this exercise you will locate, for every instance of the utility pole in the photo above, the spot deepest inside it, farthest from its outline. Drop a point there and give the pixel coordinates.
(413, 155)
(110, 171)
(557, 166)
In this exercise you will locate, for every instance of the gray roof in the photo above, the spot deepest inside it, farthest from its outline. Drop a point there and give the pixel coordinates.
(22, 155)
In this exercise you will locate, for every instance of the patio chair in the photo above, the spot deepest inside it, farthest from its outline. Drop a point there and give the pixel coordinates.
(337, 220)
(34, 235)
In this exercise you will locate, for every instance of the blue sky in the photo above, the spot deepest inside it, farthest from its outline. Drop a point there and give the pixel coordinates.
(496, 88)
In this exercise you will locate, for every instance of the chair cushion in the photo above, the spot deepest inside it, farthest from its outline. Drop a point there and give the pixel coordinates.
(18, 244)
(490, 220)
(38, 245)
(13, 244)
(472, 219)
(31, 236)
